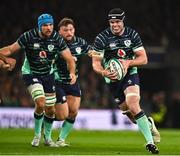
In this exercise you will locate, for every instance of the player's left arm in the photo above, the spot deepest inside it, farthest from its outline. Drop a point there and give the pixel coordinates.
(140, 59)
(99, 69)
(66, 54)
(140, 56)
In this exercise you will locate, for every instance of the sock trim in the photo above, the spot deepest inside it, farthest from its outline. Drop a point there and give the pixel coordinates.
(139, 115)
(38, 116)
(70, 120)
(47, 119)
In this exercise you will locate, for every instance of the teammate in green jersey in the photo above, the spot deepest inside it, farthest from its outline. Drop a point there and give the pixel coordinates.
(68, 95)
(40, 46)
(124, 43)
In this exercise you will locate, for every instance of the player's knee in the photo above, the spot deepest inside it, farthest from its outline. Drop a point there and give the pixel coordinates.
(40, 103)
(134, 109)
(132, 98)
(50, 111)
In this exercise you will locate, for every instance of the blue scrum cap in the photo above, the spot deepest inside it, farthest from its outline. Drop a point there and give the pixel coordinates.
(44, 19)
(116, 13)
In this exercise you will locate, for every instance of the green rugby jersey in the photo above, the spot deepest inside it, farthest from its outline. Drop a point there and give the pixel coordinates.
(120, 47)
(39, 52)
(78, 47)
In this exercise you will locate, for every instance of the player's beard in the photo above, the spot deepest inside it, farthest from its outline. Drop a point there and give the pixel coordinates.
(69, 38)
(47, 34)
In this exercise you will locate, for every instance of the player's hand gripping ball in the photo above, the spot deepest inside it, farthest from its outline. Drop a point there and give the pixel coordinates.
(116, 65)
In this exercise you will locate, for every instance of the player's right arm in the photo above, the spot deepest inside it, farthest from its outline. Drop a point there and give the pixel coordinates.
(3, 65)
(11, 49)
(98, 68)
(97, 58)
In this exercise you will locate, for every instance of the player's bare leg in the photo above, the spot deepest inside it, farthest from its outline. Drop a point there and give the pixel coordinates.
(38, 117)
(155, 133)
(62, 111)
(127, 112)
(73, 105)
(132, 100)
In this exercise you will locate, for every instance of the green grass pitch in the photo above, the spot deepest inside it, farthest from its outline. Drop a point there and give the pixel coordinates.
(17, 142)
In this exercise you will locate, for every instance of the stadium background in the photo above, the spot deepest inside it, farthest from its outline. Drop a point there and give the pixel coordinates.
(155, 20)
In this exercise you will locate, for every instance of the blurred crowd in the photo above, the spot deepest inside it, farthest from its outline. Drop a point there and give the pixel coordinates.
(155, 20)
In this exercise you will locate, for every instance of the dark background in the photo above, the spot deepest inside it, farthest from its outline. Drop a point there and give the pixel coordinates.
(157, 22)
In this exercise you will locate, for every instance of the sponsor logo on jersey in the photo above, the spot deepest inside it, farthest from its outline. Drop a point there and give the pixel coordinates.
(127, 43)
(42, 54)
(112, 45)
(36, 45)
(78, 50)
(50, 47)
(121, 53)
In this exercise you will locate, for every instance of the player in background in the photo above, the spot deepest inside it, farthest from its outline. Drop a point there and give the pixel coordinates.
(121, 42)
(40, 46)
(68, 94)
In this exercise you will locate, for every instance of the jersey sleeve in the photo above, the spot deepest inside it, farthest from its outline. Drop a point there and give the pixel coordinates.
(23, 39)
(61, 44)
(85, 47)
(99, 44)
(137, 43)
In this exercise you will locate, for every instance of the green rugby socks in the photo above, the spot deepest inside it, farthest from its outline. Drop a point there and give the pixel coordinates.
(143, 125)
(38, 120)
(66, 128)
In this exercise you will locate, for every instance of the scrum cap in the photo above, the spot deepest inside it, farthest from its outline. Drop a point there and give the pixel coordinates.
(116, 13)
(44, 19)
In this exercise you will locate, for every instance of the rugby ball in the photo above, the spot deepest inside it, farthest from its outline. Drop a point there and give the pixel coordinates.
(116, 65)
